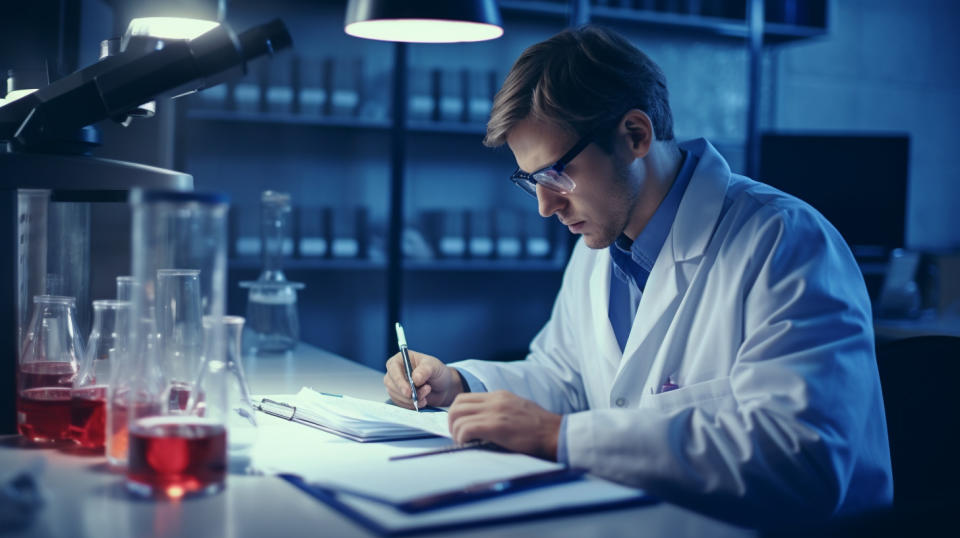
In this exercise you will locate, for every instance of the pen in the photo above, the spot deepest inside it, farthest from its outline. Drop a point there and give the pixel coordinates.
(451, 448)
(402, 342)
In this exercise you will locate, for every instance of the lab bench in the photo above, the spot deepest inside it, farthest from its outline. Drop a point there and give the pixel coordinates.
(85, 498)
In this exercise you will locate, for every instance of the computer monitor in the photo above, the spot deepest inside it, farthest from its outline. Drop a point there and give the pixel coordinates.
(858, 182)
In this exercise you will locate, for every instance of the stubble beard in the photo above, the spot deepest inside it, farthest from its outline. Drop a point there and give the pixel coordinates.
(620, 212)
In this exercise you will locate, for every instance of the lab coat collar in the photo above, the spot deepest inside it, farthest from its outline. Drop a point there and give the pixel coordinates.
(692, 229)
(701, 204)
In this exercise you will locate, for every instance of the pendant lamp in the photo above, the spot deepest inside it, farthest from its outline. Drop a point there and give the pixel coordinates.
(424, 21)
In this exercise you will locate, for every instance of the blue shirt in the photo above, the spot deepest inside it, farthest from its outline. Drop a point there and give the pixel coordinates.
(633, 260)
(632, 263)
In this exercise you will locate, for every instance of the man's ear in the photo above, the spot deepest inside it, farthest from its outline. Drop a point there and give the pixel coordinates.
(636, 132)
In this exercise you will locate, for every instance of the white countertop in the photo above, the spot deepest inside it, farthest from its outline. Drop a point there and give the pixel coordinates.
(86, 499)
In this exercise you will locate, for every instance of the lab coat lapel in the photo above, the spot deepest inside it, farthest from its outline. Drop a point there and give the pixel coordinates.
(606, 340)
(678, 260)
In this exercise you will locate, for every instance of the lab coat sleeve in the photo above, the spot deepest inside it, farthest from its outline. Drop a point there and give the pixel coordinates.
(803, 384)
(550, 374)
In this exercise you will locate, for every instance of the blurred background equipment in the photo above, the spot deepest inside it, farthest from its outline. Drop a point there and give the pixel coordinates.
(52, 183)
(273, 323)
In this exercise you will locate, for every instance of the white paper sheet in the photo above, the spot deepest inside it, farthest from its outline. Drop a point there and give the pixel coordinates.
(320, 457)
(371, 416)
(334, 462)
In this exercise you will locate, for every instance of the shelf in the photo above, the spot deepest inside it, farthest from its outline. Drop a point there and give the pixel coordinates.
(536, 7)
(454, 265)
(718, 26)
(294, 264)
(543, 265)
(447, 127)
(286, 118)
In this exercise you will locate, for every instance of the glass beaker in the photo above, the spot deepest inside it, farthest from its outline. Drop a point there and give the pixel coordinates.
(126, 287)
(48, 363)
(176, 452)
(107, 341)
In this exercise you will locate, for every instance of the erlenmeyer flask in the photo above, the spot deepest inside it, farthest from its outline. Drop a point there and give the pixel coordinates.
(108, 337)
(135, 380)
(241, 421)
(48, 363)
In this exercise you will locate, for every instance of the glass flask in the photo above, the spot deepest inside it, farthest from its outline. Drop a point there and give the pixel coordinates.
(133, 383)
(88, 413)
(179, 257)
(52, 348)
(273, 323)
(241, 420)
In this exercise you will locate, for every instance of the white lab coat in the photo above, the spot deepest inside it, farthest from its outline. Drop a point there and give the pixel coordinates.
(756, 309)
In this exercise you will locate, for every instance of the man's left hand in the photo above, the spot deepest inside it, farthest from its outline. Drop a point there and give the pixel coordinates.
(506, 419)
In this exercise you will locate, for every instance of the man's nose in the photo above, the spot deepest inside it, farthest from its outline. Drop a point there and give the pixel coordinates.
(549, 202)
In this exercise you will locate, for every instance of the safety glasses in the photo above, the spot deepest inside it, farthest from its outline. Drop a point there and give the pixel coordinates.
(551, 177)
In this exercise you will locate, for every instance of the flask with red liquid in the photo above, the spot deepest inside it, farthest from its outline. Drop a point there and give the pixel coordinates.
(48, 363)
(107, 341)
(134, 383)
(177, 432)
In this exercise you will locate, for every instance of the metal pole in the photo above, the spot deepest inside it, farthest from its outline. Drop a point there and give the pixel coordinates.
(398, 142)
(579, 12)
(755, 18)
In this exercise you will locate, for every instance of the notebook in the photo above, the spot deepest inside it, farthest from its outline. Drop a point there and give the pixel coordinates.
(354, 418)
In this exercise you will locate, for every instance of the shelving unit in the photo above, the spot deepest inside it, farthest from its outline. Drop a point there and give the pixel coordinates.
(393, 137)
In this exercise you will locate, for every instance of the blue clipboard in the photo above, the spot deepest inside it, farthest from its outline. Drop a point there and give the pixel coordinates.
(345, 501)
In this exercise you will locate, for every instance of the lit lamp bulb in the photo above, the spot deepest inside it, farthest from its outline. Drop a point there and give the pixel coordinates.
(424, 21)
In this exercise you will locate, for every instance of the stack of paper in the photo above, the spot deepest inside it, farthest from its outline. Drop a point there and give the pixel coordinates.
(364, 420)
(361, 480)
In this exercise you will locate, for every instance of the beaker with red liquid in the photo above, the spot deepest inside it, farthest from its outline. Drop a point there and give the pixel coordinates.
(48, 363)
(177, 456)
(177, 432)
(107, 342)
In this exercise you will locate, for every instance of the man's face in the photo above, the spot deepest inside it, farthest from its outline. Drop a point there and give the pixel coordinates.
(602, 203)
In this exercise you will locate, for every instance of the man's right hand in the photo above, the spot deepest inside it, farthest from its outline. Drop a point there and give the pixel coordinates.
(437, 384)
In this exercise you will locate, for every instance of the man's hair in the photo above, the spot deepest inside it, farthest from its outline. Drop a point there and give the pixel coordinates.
(582, 80)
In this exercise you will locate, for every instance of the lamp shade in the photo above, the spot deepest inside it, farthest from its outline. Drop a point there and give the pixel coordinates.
(424, 21)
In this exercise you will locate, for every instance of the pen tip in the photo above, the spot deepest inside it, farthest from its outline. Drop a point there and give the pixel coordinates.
(416, 406)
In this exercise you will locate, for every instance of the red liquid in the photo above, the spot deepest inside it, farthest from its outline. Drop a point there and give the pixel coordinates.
(176, 456)
(43, 414)
(46, 374)
(88, 416)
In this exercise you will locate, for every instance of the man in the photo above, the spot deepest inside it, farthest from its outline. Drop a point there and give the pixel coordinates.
(712, 339)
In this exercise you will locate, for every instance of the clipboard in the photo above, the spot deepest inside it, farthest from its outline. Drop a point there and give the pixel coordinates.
(539, 495)
(289, 412)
